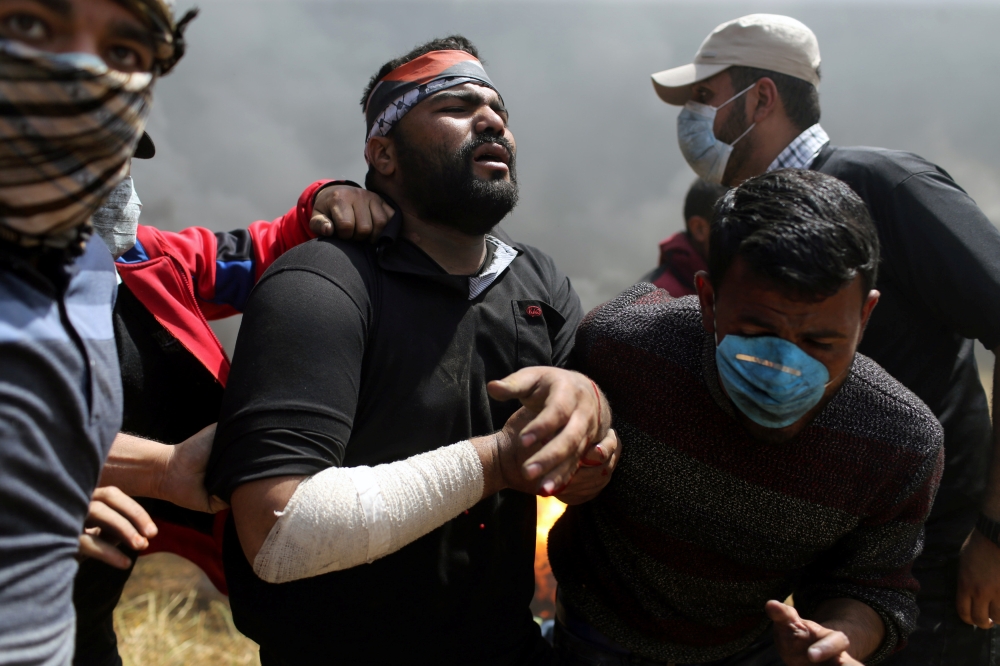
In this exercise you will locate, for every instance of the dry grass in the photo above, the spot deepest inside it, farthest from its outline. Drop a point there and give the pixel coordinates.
(170, 615)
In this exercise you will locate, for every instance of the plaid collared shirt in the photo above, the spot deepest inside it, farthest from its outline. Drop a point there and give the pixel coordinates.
(802, 151)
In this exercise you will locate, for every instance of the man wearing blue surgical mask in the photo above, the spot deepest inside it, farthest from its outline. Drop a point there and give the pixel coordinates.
(757, 77)
(763, 457)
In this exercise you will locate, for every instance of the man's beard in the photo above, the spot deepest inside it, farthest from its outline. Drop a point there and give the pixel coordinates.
(736, 124)
(443, 188)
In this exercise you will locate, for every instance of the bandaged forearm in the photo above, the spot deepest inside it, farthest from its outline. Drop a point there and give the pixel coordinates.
(343, 517)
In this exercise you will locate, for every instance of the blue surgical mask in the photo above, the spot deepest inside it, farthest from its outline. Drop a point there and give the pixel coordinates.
(770, 380)
(706, 155)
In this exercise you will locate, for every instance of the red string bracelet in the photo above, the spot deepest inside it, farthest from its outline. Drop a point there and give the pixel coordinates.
(598, 394)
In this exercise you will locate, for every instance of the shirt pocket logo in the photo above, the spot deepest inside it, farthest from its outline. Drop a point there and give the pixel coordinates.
(537, 323)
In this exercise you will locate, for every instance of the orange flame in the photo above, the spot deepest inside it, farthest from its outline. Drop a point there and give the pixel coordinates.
(544, 603)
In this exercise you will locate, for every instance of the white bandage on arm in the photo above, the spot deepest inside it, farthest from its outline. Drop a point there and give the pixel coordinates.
(343, 517)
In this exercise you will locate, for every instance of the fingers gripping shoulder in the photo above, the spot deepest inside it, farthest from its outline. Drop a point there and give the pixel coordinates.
(343, 517)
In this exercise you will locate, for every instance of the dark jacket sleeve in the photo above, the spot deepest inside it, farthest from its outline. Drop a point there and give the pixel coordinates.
(566, 301)
(873, 562)
(945, 253)
(293, 388)
(562, 343)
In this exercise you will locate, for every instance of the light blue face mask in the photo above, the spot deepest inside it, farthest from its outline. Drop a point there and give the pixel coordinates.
(117, 221)
(695, 134)
(770, 380)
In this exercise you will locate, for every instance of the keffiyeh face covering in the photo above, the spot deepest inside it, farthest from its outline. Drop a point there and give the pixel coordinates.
(68, 127)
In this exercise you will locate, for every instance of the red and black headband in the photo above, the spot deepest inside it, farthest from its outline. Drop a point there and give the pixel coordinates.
(406, 86)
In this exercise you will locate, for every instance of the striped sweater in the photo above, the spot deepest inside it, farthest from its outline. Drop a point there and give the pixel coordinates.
(701, 524)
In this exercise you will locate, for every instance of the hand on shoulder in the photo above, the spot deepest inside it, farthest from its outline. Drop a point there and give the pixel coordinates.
(349, 212)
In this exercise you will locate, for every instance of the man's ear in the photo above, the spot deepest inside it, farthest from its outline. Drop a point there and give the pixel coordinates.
(763, 100)
(380, 153)
(700, 229)
(866, 310)
(706, 295)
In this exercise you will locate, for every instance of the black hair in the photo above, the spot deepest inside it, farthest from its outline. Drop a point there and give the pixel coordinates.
(806, 231)
(701, 199)
(449, 43)
(799, 97)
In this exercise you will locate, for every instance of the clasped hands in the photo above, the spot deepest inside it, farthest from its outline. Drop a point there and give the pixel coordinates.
(559, 443)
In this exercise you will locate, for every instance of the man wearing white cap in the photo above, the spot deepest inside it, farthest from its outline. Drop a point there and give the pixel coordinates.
(751, 106)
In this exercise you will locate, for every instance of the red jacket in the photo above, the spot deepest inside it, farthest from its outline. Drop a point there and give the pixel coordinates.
(679, 261)
(187, 278)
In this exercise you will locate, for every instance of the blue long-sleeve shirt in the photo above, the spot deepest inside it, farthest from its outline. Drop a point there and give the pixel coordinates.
(60, 409)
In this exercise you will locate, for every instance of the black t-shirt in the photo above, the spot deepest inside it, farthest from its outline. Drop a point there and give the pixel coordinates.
(940, 283)
(353, 354)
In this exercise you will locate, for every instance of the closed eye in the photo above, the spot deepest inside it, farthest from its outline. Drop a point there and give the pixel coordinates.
(755, 333)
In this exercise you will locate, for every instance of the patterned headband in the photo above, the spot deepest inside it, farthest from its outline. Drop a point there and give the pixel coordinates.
(406, 86)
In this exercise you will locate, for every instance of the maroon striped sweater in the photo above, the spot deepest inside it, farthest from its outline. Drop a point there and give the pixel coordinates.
(701, 524)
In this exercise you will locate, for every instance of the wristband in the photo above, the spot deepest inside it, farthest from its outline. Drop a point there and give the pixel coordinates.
(989, 528)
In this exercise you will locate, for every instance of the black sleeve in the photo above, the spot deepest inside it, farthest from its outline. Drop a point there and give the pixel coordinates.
(293, 387)
(945, 253)
(566, 301)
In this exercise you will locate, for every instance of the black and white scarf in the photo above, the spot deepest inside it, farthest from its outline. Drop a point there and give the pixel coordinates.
(68, 127)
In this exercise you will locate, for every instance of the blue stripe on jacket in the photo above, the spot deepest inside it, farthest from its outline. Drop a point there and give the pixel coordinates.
(235, 272)
(234, 268)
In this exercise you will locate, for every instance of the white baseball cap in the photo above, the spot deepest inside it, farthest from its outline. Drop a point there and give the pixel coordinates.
(765, 41)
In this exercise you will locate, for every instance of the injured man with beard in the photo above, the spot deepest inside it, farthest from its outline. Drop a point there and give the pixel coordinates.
(380, 469)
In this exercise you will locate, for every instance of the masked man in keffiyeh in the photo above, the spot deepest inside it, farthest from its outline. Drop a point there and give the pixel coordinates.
(76, 80)
(75, 89)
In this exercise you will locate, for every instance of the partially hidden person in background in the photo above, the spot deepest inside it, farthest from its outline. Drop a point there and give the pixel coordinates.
(173, 371)
(762, 455)
(76, 82)
(360, 534)
(685, 253)
(751, 106)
